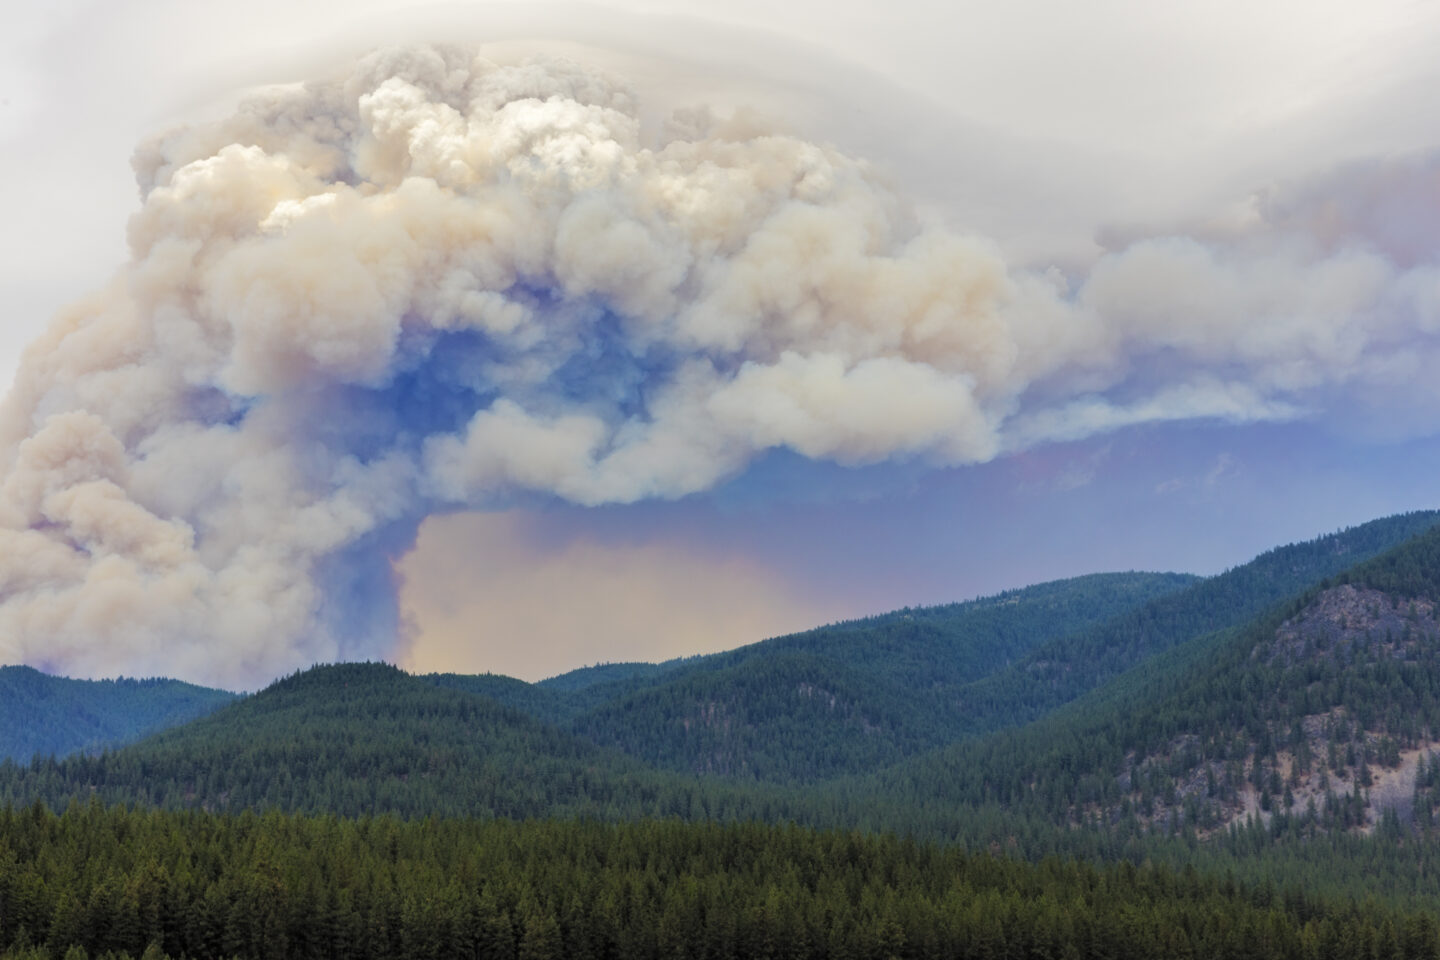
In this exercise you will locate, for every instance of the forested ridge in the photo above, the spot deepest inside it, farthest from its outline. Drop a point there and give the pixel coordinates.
(41, 714)
(874, 689)
(877, 687)
(1273, 773)
(360, 739)
(1291, 719)
(354, 739)
(1059, 672)
(850, 697)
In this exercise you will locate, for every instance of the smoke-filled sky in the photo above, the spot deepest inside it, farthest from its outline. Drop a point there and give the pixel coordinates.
(522, 336)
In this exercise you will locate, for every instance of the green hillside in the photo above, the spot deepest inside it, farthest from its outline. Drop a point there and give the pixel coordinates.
(534, 700)
(857, 696)
(852, 699)
(1321, 714)
(1057, 672)
(56, 716)
(354, 739)
(1297, 747)
(829, 701)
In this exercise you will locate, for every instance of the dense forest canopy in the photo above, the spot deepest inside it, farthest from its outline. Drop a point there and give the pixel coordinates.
(92, 881)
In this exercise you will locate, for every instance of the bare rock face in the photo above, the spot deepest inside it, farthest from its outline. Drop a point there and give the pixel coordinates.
(1346, 620)
(1352, 766)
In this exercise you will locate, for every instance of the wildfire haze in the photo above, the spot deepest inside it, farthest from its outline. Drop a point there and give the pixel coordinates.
(442, 280)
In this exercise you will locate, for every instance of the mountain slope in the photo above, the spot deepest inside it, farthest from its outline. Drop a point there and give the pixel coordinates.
(1061, 670)
(534, 700)
(605, 673)
(1321, 714)
(45, 715)
(362, 738)
(857, 696)
(1224, 737)
(850, 696)
(1214, 712)
(821, 703)
(353, 739)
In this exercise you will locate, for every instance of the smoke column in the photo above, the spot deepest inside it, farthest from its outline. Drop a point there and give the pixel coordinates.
(442, 284)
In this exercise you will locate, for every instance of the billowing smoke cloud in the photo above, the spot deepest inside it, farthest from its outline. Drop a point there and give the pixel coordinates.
(444, 284)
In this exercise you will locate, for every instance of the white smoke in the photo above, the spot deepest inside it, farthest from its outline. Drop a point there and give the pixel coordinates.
(444, 283)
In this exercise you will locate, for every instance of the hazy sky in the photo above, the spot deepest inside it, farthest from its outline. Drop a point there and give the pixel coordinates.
(1292, 145)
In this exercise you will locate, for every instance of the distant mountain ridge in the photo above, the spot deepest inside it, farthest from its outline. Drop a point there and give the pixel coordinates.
(856, 696)
(586, 677)
(1183, 702)
(56, 716)
(1322, 713)
(1059, 672)
(851, 696)
(366, 738)
(828, 701)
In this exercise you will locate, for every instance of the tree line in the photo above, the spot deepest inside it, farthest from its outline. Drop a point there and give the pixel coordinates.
(97, 882)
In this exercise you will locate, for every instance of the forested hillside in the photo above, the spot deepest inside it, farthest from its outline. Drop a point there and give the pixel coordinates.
(843, 705)
(113, 881)
(1322, 714)
(56, 716)
(852, 697)
(606, 673)
(1058, 672)
(354, 739)
(1295, 747)
(862, 688)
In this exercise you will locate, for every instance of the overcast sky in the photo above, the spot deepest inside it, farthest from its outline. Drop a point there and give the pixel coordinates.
(1057, 130)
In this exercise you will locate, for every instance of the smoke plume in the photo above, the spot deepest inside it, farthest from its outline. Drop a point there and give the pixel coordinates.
(443, 283)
